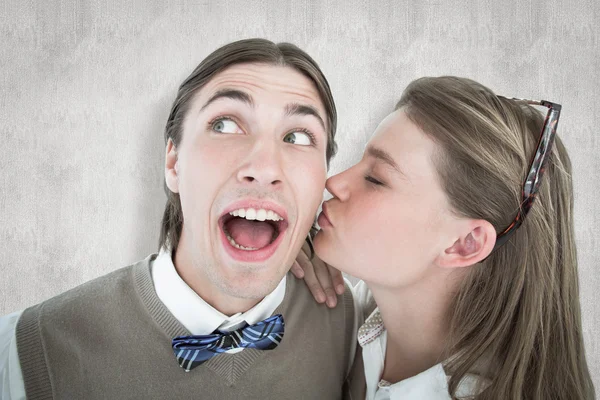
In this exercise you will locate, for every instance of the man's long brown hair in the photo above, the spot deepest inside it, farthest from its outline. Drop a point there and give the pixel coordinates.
(259, 51)
(519, 309)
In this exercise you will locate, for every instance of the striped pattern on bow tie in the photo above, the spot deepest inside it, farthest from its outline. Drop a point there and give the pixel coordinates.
(194, 350)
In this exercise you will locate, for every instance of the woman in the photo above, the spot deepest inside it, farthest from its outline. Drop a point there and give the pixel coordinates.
(462, 299)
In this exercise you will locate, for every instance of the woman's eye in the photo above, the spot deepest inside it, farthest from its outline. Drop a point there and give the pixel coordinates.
(299, 138)
(372, 180)
(226, 126)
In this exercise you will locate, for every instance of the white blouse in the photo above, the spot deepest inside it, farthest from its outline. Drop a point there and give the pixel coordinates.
(431, 384)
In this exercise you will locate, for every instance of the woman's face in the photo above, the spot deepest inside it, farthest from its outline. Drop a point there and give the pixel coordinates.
(389, 218)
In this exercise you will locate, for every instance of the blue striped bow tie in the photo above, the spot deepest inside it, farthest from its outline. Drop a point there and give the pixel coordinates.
(194, 350)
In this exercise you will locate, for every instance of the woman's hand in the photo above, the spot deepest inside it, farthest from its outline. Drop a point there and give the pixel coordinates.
(320, 278)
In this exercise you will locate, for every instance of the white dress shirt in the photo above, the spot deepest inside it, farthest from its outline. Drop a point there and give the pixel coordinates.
(431, 384)
(186, 306)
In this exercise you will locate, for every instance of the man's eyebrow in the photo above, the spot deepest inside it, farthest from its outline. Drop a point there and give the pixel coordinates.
(383, 156)
(232, 94)
(304, 109)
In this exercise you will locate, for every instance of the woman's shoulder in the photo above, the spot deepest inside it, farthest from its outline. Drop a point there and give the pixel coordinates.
(433, 384)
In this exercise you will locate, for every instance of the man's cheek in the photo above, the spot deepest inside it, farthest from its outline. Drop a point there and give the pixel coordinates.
(315, 179)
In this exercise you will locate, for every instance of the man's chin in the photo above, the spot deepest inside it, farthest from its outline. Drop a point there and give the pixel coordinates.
(254, 282)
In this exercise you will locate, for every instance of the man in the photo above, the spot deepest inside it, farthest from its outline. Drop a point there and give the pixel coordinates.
(213, 315)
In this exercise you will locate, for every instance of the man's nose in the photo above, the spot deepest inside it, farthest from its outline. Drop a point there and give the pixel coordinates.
(263, 165)
(338, 185)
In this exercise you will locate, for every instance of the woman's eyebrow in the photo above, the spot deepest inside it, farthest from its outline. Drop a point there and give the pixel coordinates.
(384, 157)
(304, 109)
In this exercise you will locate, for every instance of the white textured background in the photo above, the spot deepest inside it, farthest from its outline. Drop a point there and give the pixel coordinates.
(86, 86)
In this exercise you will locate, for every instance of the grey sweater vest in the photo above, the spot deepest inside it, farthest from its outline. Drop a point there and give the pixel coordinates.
(356, 386)
(110, 338)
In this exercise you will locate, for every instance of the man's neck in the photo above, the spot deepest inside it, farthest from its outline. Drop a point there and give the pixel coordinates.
(417, 324)
(196, 279)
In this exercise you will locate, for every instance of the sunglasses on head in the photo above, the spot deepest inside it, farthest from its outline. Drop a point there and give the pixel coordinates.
(536, 167)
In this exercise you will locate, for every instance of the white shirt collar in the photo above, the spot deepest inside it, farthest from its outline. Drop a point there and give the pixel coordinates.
(430, 384)
(199, 317)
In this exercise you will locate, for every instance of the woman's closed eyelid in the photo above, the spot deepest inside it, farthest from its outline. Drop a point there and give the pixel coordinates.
(373, 180)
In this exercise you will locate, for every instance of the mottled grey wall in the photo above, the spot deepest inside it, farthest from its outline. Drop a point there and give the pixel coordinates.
(86, 87)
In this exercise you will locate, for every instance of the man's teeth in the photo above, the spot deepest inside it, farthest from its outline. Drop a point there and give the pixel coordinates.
(259, 215)
(234, 244)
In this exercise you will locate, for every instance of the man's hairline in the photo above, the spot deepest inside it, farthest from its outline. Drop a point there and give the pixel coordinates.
(328, 122)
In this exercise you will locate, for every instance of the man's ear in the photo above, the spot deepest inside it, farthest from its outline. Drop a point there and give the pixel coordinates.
(171, 166)
(475, 242)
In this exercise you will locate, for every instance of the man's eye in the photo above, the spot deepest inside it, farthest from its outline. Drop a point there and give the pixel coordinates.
(299, 138)
(226, 125)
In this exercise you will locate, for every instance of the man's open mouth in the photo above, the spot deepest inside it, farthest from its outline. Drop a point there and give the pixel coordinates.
(252, 230)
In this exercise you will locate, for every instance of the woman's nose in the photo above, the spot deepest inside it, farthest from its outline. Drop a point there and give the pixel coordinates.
(338, 185)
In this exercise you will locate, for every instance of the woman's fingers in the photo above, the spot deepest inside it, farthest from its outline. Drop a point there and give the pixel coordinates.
(313, 284)
(325, 280)
(337, 279)
(297, 270)
(309, 277)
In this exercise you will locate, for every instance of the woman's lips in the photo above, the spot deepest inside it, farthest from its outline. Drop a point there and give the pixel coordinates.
(323, 220)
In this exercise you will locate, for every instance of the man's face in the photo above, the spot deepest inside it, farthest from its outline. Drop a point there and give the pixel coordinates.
(250, 173)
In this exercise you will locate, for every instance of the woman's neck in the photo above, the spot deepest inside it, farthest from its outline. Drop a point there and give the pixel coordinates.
(416, 319)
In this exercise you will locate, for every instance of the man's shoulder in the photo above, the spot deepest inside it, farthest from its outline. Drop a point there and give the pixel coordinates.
(99, 292)
(336, 325)
(303, 298)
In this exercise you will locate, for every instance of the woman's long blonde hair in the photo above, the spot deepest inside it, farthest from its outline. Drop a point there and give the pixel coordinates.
(519, 309)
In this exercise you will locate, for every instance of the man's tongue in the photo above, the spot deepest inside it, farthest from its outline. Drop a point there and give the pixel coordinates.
(255, 234)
